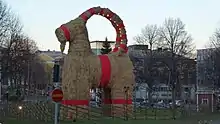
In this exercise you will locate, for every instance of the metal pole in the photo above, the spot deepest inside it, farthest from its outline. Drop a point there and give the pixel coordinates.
(197, 101)
(0, 91)
(56, 113)
(134, 103)
(212, 101)
(28, 78)
(56, 80)
(0, 86)
(57, 108)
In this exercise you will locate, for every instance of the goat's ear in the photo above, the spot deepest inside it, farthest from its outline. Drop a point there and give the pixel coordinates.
(60, 35)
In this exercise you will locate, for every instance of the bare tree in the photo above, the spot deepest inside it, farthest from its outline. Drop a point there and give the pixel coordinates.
(149, 35)
(7, 22)
(20, 65)
(18, 51)
(16, 57)
(175, 38)
(215, 38)
(10, 28)
(38, 69)
(12, 35)
(211, 66)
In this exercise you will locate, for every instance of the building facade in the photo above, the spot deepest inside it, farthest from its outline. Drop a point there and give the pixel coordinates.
(206, 94)
(139, 55)
(51, 53)
(202, 66)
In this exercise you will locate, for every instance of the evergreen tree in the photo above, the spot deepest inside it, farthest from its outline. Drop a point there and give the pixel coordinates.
(106, 47)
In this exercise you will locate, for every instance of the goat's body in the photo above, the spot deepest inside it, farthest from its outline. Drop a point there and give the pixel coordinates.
(80, 74)
(85, 73)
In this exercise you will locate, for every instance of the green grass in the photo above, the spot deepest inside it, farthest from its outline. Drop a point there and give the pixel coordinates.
(143, 116)
(156, 113)
(110, 122)
(188, 120)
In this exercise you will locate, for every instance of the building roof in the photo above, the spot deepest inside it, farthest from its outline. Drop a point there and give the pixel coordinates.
(45, 57)
(138, 47)
(97, 41)
(54, 54)
(48, 60)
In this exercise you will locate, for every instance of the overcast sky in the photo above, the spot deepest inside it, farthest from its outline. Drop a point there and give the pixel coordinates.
(42, 17)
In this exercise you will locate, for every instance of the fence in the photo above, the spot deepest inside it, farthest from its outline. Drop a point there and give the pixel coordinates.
(44, 112)
(40, 109)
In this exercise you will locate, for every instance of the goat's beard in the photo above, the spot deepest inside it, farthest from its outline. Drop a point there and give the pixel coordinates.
(62, 47)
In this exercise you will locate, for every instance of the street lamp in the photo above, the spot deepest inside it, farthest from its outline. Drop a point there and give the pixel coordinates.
(20, 107)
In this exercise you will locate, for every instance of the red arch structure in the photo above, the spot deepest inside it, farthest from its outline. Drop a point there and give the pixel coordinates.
(117, 23)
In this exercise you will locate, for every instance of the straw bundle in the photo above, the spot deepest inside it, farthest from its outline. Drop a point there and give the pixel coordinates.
(82, 69)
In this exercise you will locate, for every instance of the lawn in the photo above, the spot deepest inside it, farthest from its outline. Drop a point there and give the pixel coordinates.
(188, 120)
(111, 122)
(143, 116)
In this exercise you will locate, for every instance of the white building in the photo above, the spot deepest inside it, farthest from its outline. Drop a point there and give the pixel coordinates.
(52, 53)
(159, 92)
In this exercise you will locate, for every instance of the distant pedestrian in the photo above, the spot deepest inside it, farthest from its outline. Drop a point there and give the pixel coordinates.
(6, 95)
(218, 106)
(18, 92)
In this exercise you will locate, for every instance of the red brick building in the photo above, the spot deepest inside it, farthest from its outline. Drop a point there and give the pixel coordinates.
(206, 100)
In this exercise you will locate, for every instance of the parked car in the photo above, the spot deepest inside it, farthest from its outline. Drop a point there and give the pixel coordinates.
(136, 104)
(161, 105)
(94, 104)
(145, 105)
(179, 103)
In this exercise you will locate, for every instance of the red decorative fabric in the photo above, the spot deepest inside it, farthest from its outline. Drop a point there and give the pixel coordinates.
(66, 32)
(91, 10)
(105, 101)
(106, 70)
(115, 49)
(121, 25)
(118, 39)
(111, 14)
(101, 11)
(124, 47)
(84, 16)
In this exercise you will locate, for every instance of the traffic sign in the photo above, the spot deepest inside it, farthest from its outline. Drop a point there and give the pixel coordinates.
(57, 95)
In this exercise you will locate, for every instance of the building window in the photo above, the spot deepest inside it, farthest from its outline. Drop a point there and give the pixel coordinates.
(201, 81)
(186, 89)
(205, 101)
(199, 57)
(164, 94)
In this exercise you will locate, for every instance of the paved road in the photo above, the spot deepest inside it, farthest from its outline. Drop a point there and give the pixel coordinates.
(2, 105)
(209, 122)
(36, 98)
(216, 122)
